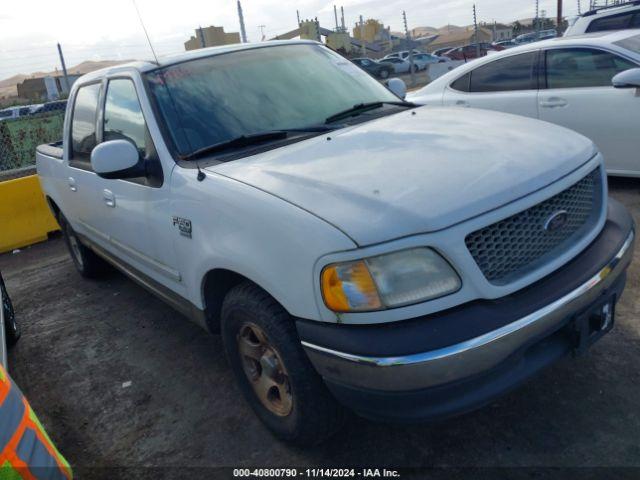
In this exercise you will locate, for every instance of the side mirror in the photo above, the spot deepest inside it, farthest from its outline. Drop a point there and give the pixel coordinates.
(398, 87)
(627, 79)
(117, 159)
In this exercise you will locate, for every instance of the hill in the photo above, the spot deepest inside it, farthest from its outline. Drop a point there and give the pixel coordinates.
(8, 86)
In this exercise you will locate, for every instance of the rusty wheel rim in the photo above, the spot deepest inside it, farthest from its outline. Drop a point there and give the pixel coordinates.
(265, 369)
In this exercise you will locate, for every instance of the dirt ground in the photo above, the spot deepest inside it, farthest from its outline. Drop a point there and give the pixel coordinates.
(82, 340)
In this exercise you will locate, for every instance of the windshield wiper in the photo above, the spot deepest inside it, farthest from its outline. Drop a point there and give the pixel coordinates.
(364, 107)
(252, 139)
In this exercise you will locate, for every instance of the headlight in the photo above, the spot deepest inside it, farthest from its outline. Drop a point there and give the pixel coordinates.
(388, 281)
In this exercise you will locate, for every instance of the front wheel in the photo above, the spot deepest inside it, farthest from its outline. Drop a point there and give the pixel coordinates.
(272, 370)
(384, 74)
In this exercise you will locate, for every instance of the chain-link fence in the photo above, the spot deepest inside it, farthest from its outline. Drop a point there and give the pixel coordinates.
(20, 136)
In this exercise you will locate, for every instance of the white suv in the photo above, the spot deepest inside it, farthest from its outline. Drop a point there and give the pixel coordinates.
(614, 17)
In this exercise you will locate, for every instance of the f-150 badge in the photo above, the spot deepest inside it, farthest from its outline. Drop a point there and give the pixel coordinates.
(184, 225)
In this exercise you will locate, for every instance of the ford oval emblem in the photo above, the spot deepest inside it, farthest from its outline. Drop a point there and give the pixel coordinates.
(556, 221)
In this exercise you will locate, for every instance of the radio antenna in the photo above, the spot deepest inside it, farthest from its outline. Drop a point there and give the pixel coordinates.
(145, 31)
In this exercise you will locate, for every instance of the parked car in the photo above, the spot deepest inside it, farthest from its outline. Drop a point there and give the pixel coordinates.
(341, 240)
(612, 17)
(570, 86)
(441, 51)
(468, 52)
(504, 44)
(422, 60)
(15, 112)
(9, 328)
(403, 55)
(400, 66)
(374, 68)
(55, 106)
(532, 37)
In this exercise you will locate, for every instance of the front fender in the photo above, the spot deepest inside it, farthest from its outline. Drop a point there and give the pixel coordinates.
(245, 230)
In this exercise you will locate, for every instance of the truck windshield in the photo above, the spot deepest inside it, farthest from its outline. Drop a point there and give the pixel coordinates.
(214, 99)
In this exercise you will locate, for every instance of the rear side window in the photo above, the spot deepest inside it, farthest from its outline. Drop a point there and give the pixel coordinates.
(83, 124)
(620, 21)
(583, 67)
(462, 84)
(507, 74)
(630, 43)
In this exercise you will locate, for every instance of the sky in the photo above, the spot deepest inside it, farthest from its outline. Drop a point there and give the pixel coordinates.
(99, 30)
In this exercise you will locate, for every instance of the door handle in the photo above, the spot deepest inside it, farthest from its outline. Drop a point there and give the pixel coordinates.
(554, 102)
(109, 198)
(72, 184)
(462, 103)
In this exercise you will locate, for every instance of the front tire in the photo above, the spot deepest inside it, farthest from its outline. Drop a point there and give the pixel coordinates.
(88, 264)
(384, 74)
(272, 370)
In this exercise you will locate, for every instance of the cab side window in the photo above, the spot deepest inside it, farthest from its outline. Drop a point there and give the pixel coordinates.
(583, 67)
(124, 120)
(83, 123)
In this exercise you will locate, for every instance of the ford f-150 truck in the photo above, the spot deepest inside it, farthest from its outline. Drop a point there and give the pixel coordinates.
(355, 252)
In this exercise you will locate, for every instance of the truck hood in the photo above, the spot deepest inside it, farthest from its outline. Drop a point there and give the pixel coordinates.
(416, 171)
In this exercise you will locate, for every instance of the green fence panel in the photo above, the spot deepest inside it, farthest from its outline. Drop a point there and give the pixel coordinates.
(20, 137)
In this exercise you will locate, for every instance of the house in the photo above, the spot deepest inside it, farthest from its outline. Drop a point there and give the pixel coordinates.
(211, 37)
(45, 88)
(461, 37)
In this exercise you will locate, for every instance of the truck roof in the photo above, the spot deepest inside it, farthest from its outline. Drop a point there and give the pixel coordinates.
(163, 61)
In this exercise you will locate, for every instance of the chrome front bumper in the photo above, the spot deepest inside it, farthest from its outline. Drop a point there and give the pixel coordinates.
(471, 357)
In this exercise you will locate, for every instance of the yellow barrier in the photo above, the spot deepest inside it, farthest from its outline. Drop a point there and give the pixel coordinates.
(25, 217)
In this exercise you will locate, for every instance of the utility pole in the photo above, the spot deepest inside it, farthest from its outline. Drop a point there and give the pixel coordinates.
(201, 35)
(262, 27)
(475, 31)
(537, 19)
(243, 32)
(298, 15)
(64, 69)
(410, 43)
(364, 47)
(559, 20)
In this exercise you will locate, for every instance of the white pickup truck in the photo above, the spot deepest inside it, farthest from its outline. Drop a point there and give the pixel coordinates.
(353, 249)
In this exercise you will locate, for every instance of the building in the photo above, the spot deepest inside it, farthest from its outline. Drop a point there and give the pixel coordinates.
(340, 42)
(309, 30)
(459, 38)
(45, 88)
(211, 37)
(499, 31)
(373, 31)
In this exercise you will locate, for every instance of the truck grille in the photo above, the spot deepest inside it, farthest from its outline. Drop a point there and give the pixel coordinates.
(521, 243)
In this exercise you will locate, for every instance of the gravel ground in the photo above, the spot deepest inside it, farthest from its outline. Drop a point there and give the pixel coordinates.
(82, 340)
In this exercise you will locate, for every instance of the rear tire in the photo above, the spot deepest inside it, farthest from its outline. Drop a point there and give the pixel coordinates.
(384, 74)
(88, 264)
(273, 372)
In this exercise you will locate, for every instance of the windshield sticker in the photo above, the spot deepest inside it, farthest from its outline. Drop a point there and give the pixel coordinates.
(347, 67)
